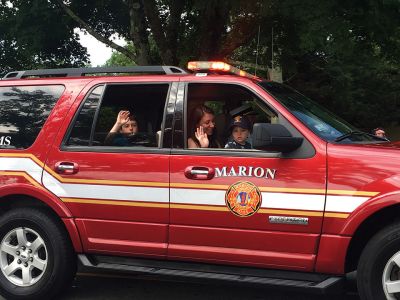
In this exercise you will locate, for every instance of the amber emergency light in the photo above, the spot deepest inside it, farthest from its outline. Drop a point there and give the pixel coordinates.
(219, 66)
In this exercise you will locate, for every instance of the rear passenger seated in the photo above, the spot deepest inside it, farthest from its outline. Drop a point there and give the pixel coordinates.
(125, 127)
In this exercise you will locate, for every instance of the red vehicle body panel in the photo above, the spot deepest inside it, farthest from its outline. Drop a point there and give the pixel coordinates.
(130, 225)
(372, 168)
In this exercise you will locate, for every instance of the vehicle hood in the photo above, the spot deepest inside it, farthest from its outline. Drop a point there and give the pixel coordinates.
(372, 167)
(383, 146)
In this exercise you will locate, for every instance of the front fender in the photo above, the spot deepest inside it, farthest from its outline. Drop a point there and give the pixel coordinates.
(367, 209)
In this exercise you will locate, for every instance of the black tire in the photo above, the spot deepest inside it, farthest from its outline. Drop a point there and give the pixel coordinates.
(375, 257)
(54, 255)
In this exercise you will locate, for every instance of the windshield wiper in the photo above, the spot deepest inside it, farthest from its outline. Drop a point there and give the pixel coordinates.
(351, 133)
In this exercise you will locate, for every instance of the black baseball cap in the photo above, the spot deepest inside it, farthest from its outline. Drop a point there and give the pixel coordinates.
(240, 121)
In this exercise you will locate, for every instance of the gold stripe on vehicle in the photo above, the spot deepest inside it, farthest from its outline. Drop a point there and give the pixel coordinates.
(291, 212)
(23, 155)
(337, 215)
(114, 202)
(22, 174)
(202, 207)
(199, 186)
(351, 193)
(106, 181)
(262, 210)
(183, 185)
(199, 207)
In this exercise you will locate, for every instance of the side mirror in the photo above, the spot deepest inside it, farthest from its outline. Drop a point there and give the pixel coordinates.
(274, 137)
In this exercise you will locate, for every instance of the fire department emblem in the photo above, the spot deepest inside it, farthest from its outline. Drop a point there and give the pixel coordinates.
(243, 198)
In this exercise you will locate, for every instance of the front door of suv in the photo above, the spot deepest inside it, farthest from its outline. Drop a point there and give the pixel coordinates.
(116, 186)
(210, 220)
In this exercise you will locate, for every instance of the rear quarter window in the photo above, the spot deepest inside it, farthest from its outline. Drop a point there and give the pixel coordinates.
(23, 111)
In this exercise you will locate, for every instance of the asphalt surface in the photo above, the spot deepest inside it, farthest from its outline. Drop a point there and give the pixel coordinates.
(111, 286)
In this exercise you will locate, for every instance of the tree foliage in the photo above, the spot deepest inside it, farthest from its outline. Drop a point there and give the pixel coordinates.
(180, 29)
(342, 53)
(345, 53)
(36, 34)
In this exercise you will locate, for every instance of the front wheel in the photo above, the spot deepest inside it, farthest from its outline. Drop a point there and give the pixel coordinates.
(36, 256)
(378, 272)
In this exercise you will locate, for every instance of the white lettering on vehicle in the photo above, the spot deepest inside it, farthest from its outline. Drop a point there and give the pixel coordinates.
(5, 140)
(242, 171)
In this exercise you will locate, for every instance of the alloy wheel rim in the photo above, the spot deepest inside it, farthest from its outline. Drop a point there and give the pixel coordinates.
(23, 256)
(391, 278)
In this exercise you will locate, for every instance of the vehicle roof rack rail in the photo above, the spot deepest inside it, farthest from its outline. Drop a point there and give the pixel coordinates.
(78, 72)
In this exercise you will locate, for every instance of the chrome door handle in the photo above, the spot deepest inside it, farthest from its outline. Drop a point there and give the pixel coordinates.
(65, 168)
(68, 168)
(199, 173)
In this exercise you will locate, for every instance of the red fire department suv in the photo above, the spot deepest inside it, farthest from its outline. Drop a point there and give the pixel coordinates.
(311, 199)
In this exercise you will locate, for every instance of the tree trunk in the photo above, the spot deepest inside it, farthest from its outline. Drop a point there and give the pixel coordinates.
(214, 19)
(172, 29)
(137, 32)
(156, 27)
(98, 36)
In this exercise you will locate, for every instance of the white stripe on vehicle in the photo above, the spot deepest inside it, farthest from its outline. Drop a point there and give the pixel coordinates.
(291, 201)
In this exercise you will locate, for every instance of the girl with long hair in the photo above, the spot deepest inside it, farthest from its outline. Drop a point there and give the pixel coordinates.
(202, 128)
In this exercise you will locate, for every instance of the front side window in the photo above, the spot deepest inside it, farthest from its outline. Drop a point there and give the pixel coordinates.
(121, 115)
(223, 115)
(318, 119)
(23, 112)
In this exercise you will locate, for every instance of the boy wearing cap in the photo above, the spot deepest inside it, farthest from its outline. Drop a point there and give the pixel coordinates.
(240, 129)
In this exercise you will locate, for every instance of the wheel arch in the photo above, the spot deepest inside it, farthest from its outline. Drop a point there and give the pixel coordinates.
(18, 196)
(366, 230)
(25, 191)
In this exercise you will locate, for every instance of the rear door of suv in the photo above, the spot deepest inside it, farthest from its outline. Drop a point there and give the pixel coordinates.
(118, 192)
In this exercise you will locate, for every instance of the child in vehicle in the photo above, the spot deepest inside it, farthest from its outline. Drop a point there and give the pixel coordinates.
(240, 129)
(125, 126)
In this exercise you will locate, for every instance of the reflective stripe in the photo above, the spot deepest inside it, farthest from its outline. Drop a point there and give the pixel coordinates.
(129, 193)
(293, 201)
(21, 164)
(114, 202)
(343, 203)
(269, 200)
(338, 202)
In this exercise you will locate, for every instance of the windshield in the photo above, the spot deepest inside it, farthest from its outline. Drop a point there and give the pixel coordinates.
(317, 118)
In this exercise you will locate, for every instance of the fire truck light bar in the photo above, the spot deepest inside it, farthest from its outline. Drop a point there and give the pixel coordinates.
(218, 66)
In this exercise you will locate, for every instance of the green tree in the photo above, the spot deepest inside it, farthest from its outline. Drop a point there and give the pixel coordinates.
(36, 34)
(342, 53)
(180, 29)
(119, 59)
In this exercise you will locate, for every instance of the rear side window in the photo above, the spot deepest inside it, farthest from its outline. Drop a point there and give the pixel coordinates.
(81, 132)
(23, 111)
(121, 115)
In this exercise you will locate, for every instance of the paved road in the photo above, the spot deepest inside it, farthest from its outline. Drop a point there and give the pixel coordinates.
(104, 286)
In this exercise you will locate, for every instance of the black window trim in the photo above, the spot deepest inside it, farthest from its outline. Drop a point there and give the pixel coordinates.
(227, 152)
(64, 146)
(115, 149)
(169, 117)
(96, 115)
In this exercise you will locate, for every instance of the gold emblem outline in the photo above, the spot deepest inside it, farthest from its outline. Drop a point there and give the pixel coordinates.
(253, 187)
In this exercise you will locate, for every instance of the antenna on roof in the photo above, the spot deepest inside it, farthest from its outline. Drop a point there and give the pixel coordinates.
(272, 46)
(258, 43)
